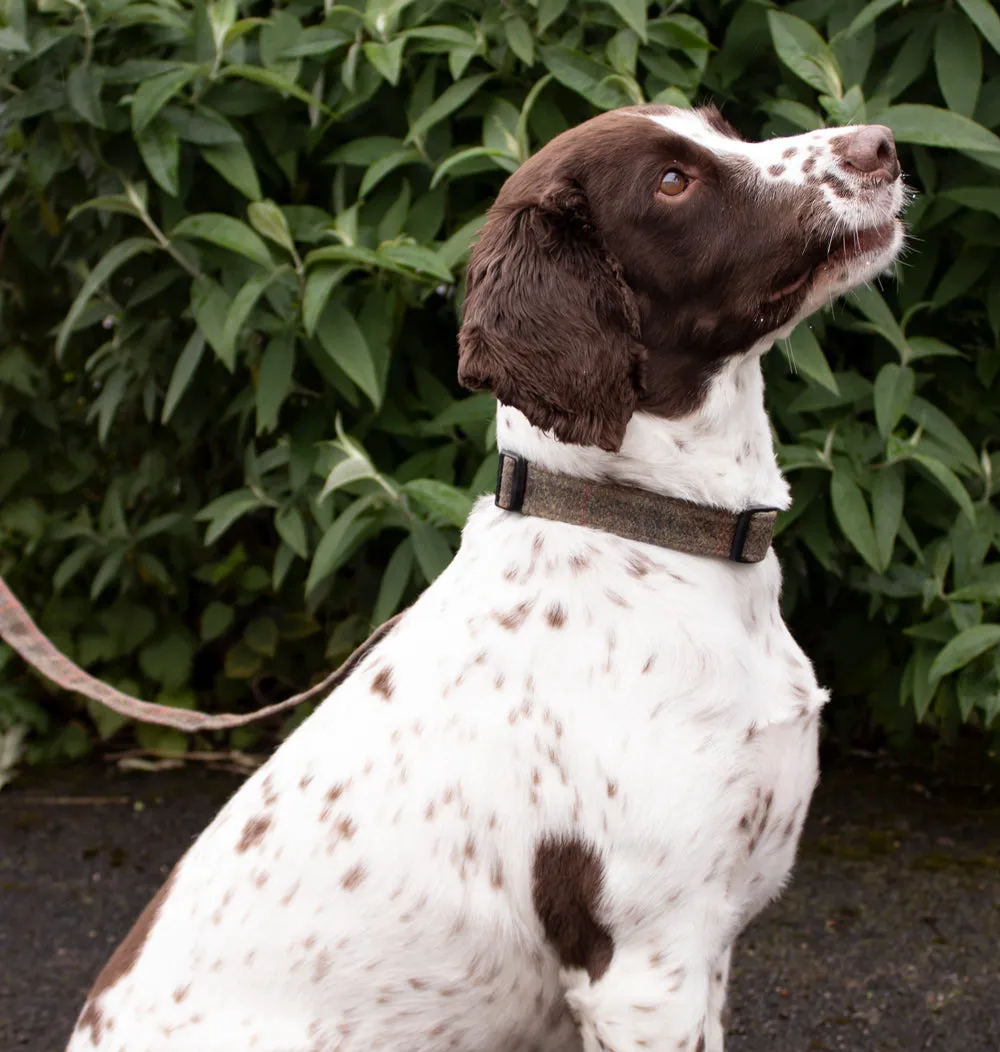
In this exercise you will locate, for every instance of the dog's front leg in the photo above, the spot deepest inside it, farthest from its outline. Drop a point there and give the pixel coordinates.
(715, 1028)
(644, 1001)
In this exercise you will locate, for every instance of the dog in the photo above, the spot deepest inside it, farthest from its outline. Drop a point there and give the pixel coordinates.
(543, 805)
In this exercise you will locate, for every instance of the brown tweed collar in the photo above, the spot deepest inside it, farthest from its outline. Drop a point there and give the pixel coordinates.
(635, 514)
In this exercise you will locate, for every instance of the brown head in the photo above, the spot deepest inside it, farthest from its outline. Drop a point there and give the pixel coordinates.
(624, 263)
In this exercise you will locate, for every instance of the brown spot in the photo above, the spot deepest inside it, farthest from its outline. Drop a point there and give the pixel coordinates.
(838, 186)
(567, 885)
(700, 1047)
(578, 563)
(305, 781)
(346, 828)
(499, 681)
(510, 574)
(418, 984)
(429, 813)
(776, 170)
(513, 619)
(612, 788)
(790, 152)
(321, 966)
(181, 992)
(470, 847)
(92, 1019)
(125, 956)
(353, 877)
(655, 960)
(270, 796)
(650, 662)
(496, 874)
(382, 683)
(253, 833)
(617, 599)
(261, 879)
(808, 165)
(555, 615)
(537, 543)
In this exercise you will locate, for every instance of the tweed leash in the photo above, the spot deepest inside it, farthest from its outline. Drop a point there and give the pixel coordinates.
(22, 634)
(635, 514)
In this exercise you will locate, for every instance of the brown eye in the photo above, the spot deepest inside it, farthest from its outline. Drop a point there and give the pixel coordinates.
(674, 183)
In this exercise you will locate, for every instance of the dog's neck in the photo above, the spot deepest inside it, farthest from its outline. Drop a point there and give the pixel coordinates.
(720, 455)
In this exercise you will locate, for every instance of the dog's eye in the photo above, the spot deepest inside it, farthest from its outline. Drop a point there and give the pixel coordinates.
(674, 183)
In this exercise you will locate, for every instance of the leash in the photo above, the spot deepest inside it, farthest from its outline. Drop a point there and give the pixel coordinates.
(22, 634)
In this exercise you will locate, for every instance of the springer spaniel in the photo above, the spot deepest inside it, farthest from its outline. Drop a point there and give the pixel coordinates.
(544, 803)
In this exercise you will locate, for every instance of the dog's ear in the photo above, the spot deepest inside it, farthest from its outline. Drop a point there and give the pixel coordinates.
(550, 326)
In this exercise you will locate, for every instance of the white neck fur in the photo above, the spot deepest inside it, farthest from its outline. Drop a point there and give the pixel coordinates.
(720, 455)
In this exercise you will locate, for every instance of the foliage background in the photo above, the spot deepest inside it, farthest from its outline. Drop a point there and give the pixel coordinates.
(230, 275)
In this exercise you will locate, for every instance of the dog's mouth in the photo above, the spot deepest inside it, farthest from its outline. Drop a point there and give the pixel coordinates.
(857, 246)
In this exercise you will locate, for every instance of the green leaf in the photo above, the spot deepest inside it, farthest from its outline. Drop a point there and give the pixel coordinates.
(580, 73)
(986, 587)
(274, 380)
(272, 80)
(965, 647)
(333, 548)
(987, 21)
(866, 16)
(160, 150)
(938, 424)
(420, 260)
(342, 339)
(210, 306)
(226, 232)
(241, 662)
(932, 126)
(183, 373)
(431, 549)
(887, 510)
(11, 41)
(869, 301)
(632, 13)
(441, 500)
(379, 169)
(397, 576)
(386, 58)
(234, 163)
(519, 37)
(268, 219)
(291, 529)
(321, 282)
(893, 390)
(115, 257)
(261, 636)
(948, 481)
(451, 99)
(239, 310)
(958, 60)
(168, 660)
(979, 198)
(809, 359)
(851, 513)
(153, 94)
(83, 89)
(804, 52)
(502, 159)
(216, 618)
(222, 512)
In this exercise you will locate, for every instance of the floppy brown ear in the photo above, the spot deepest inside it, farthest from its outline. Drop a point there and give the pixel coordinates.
(550, 326)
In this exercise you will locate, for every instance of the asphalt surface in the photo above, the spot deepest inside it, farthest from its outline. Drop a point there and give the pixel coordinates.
(888, 939)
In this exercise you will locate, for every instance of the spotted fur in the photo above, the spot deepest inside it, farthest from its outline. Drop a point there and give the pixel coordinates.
(543, 806)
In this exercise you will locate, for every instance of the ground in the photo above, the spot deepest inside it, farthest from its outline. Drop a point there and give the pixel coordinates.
(888, 939)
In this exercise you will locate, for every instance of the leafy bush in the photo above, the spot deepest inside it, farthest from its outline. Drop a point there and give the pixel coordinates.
(230, 434)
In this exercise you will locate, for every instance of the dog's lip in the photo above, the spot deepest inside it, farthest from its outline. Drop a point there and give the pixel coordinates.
(844, 249)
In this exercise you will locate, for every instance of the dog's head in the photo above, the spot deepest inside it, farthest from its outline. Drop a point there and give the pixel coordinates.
(625, 262)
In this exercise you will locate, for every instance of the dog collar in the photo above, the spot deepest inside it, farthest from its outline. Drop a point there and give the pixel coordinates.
(635, 514)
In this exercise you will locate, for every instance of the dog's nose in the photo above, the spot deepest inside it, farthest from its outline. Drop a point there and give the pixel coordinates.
(872, 151)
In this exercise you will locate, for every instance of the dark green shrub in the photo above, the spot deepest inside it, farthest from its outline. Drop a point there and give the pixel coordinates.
(230, 434)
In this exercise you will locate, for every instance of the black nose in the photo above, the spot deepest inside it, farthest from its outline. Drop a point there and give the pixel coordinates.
(872, 151)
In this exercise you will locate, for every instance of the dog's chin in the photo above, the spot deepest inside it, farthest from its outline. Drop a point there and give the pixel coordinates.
(858, 258)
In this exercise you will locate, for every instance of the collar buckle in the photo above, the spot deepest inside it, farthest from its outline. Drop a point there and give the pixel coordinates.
(512, 475)
(744, 520)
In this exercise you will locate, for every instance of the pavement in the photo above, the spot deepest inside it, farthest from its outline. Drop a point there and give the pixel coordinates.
(888, 939)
